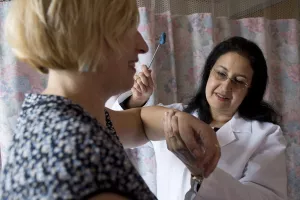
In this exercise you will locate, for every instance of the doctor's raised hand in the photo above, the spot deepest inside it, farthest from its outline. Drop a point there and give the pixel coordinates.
(142, 88)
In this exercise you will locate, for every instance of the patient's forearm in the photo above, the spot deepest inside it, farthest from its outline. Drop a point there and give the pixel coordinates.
(137, 126)
(152, 118)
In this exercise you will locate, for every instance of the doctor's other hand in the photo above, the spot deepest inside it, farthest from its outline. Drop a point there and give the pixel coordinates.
(183, 131)
(142, 88)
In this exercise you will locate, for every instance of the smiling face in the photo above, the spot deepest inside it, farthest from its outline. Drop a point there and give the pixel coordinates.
(121, 67)
(228, 83)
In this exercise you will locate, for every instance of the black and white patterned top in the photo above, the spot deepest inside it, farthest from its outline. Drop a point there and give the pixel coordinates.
(60, 152)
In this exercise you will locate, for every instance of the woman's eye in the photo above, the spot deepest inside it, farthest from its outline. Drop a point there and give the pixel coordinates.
(240, 82)
(221, 74)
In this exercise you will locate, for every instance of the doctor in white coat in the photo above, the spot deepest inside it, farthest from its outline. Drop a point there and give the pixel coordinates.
(230, 98)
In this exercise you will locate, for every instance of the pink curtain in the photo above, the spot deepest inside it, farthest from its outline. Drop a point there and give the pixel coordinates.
(177, 69)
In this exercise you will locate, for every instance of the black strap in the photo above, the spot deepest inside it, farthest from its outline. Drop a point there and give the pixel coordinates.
(124, 104)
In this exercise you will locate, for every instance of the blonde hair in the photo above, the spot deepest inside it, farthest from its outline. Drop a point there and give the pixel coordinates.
(68, 34)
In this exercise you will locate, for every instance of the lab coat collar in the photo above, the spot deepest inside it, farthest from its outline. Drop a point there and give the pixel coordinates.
(227, 133)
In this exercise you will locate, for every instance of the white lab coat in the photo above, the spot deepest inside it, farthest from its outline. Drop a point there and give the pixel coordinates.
(252, 164)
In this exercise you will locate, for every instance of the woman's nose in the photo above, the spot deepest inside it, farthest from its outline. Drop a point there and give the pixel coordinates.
(227, 85)
(142, 46)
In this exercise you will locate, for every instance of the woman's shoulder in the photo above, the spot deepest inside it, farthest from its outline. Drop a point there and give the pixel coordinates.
(266, 127)
(50, 114)
(57, 117)
(255, 126)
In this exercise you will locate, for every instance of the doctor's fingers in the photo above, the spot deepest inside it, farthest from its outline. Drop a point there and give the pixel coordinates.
(211, 146)
(146, 71)
(212, 164)
(137, 87)
(174, 142)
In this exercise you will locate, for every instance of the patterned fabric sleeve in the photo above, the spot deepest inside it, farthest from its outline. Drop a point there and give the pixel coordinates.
(114, 170)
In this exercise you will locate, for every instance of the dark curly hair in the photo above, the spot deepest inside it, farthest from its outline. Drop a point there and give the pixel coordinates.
(253, 106)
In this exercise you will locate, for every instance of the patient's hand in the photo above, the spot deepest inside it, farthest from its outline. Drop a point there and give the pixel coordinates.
(173, 128)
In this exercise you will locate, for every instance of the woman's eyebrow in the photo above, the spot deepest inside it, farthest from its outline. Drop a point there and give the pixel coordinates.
(239, 75)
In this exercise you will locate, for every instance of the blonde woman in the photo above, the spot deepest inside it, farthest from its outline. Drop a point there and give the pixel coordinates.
(66, 146)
